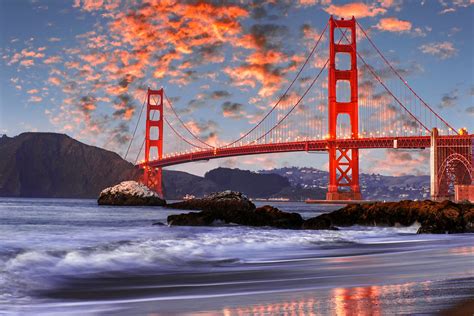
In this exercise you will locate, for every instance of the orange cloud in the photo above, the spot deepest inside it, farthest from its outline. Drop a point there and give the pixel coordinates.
(27, 63)
(35, 98)
(357, 9)
(393, 25)
(54, 80)
(52, 60)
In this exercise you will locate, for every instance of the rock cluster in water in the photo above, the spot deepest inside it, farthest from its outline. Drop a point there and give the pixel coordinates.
(434, 217)
(234, 207)
(130, 193)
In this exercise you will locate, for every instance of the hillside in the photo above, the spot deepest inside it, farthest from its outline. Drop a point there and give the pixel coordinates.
(373, 186)
(55, 165)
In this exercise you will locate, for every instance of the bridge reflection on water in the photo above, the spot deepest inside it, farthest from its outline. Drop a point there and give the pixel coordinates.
(368, 300)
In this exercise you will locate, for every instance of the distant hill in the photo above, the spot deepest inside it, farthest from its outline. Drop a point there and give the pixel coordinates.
(373, 186)
(260, 185)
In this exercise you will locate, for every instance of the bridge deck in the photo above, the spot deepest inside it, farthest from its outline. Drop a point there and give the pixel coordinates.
(310, 145)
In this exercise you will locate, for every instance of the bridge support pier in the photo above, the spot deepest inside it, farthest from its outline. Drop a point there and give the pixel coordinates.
(152, 177)
(343, 162)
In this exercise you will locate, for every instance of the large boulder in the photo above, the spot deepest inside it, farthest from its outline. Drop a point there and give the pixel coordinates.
(320, 222)
(226, 200)
(130, 193)
(434, 217)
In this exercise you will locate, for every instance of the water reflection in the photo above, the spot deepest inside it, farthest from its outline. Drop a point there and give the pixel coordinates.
(368, 300)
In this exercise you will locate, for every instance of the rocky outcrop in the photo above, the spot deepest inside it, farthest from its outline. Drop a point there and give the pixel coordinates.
(226, 200)
(130, 193)
(232, 207)
(434, 217)
(262, 216)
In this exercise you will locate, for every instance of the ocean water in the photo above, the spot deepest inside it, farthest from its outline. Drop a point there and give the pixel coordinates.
(72, 257)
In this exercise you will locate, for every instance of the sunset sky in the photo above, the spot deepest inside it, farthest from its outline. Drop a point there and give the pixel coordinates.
(81, 67)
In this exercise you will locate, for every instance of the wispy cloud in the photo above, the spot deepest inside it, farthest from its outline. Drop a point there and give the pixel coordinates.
(443, 50)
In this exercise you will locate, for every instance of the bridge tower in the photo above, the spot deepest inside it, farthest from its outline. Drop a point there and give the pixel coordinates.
(154, 139)
(343, 162)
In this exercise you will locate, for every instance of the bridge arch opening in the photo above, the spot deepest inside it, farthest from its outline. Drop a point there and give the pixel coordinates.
(456, 169)
(343, 91)
(155, 115)
(343, 61)
(156, 99)
(343, 122)
(154, 133)
(153, 152)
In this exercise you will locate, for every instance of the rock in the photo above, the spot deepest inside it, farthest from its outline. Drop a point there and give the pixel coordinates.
(262, 216)
(158, 224)
(228, 200)
(434, 217)
(130, 193)
(320, 222)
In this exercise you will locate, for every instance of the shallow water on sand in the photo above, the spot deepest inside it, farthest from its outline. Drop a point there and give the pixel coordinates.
(73, 257)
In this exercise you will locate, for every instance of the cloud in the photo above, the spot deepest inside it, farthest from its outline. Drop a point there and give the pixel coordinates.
(35, 98)
(443, 50)
(52, 60)
(401, 163)
(357, 9)
(219, 94)
(448, 100)
(232, 110)
(450, 6)
(393, 24)
(124, 107)
(27, 63)
(447, 10)
(470, 110)
(54, 39)
(54, 81)
(32, 91)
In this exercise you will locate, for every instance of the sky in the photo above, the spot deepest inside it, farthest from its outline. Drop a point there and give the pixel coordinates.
(82, 67)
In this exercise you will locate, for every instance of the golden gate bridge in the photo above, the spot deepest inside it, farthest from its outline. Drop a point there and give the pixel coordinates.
(331, 105)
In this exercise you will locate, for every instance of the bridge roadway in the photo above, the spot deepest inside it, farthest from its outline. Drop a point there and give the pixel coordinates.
(406, 142)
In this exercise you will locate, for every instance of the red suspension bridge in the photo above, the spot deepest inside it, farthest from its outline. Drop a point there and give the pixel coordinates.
(330, 105)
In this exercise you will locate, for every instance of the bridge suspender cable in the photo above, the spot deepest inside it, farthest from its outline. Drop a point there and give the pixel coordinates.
(180, 136)
(285, 93)
(301, 98)
(386, 88)
(403, 80)
(296, 104)
(184, 125)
